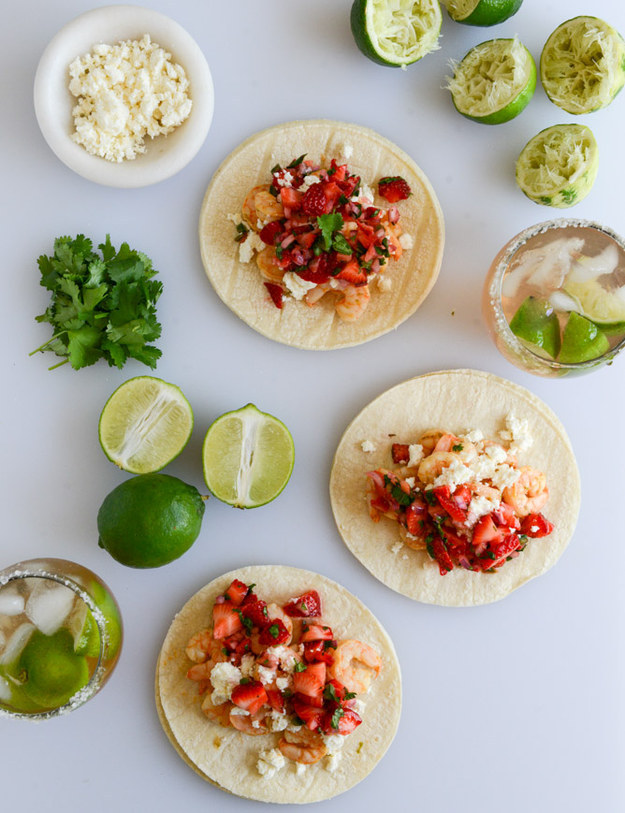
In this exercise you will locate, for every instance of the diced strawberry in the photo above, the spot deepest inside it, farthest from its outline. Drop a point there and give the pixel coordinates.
(352, 273)
(275, 699)
(337, 171)
(334, 691)
(394, 188)
(239, 643)
(314, 201)
(504, 514)
(256, 611)
(311, 680)
(306, 239)
(447, 502)
(309, 714)
(276, 293)
(536, 526)
(226, 620)
(270, 232)
(316, 632)
(274, 633)
(445, 563)
(416, 516)
(485, 533)
(249, 696)
(236, 592)
(291, 198)
(348, 721)
(504, 549)
(318, 651)
(400, 453)
(308, 605)
(332, 192)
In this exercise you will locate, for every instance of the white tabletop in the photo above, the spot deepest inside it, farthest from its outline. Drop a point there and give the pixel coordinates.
(513, 706)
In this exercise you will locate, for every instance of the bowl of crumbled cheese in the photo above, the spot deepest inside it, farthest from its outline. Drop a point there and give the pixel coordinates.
(124, 96)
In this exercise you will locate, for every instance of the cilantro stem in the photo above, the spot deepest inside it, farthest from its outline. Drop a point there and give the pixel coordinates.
(45, 344)
(60, 364)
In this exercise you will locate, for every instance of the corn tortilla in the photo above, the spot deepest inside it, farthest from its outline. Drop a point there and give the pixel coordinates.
(454, 401)
(240, 285)
(226, 757)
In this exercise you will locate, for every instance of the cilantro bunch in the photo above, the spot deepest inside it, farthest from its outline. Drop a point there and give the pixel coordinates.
(101, 306)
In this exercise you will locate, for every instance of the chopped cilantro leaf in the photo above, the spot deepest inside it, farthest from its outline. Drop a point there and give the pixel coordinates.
(457, 448)
(299, 666)
(328, 224)
(336, 716)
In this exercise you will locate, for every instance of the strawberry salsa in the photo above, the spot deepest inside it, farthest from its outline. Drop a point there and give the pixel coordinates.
(463, 499)
(316, 230)
(268, 669)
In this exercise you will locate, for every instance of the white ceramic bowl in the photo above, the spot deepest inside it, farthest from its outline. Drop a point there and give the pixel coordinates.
(165, 155)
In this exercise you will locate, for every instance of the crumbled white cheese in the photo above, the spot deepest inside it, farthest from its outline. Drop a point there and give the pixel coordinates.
(395, 548)
(474, 436)
(505, 476)
(276, 721)
(296, 285)
(519, 434)
(346, 151)
(406, 241)
(310, 180)
(285, 655)
(479, 507)
(249, 246)
(385, 284)
(367, 446)
(125, 93)
(286, 179)
(282, 683)
(224, 676)
(496, 453)
(332, 761)
(454, 475)
(365, 193)
(248, 662)
(411, 482)
(270, 760)
(265, 675)
(415, 454)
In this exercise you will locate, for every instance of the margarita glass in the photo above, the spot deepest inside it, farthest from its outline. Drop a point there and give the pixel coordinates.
(60, 637)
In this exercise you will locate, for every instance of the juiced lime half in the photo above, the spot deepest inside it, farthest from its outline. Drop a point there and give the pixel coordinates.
(596, 302)
(397, 33)
(248, 457)
(559, 165)
(494, 82)
(481, 12)
(145, 424)
(582, 66)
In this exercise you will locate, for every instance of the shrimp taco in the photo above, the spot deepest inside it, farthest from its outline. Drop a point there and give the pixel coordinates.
(455, 488)
(278, 685)
(321, 234)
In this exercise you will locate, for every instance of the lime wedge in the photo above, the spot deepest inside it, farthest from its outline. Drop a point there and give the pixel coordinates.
(248, 457)
(536, 323)
(397, 33)
(494, 82)
(582, 66)
(84, 631)
(112, 617)
(582, 340)
(54, 672)
(595, 301)
(145, 424)
(559, 165)
(481, 12)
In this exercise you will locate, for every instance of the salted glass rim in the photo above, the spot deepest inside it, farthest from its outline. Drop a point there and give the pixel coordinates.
(494, 289)
(44, 569)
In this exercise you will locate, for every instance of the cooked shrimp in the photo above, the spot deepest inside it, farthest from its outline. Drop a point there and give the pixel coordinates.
(434, 464)
(261, 207)
(355, 665)
(529, 493)
(269, 269)
(429, 439)
(353, 302)
(218, 714)
(303, 746)
(253, 724)
(201, 671)
(465, 450)
(200, 646)
(412, 541)
(315, 294)
(392, 233)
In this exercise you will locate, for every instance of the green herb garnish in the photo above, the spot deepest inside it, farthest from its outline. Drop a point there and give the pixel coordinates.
(101, 307)
(457, 448)
(328, 224)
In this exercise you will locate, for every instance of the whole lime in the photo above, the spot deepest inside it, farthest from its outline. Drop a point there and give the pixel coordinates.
(150, 520)
(53, 671)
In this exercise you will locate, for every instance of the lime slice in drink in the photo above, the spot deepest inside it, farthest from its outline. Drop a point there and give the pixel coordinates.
(536, 323)
(494, 82)
(53, 671)
(595, 301)
(84, 631)
(145, 424)
(582, 66)
(112, 617)
(481, 12)
(582, 340)
(248, 457)
(398, 33)
(559, 165)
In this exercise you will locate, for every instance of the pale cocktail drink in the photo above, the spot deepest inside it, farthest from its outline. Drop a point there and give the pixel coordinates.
(60, 637)
(554, 298)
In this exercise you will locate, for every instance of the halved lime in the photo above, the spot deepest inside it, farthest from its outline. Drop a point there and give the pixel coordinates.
(536, 323)
(582, 66)
(481, 12)
(145, 424)
(396, 33)
(494, 82)
(582, 340)
(558, 166)
(53, 671)
(596, 302)
(248, 457)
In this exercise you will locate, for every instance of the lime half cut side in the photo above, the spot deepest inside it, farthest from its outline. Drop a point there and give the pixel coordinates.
(559, 165)
(396, 33)
(582, 65)
(248, 457)
(494, 82)
(481, 12)
(145, 424)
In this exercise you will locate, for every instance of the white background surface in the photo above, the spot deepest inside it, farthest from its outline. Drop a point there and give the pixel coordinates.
(515, 706)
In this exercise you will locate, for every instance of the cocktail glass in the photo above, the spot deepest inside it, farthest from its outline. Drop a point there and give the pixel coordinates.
(549, 252)
(60, 637)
